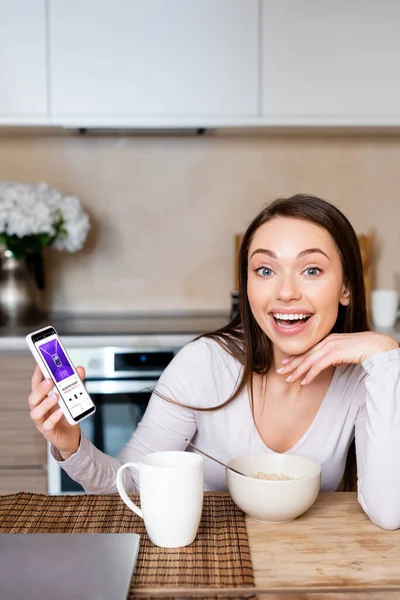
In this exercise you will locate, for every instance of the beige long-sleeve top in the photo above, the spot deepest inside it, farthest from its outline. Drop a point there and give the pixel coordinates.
(363, 401)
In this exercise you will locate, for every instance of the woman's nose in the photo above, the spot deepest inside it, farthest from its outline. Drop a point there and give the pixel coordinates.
(288, 289)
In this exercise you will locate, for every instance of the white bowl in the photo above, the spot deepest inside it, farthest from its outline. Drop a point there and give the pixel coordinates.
(274, 501)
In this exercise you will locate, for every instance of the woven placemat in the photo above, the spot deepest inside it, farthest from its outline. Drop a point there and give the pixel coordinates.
(218, 558)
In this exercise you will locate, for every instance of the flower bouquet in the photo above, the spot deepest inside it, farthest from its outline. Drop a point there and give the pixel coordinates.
(33, 216)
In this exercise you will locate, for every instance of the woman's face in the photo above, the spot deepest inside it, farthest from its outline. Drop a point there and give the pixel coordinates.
(295, 283)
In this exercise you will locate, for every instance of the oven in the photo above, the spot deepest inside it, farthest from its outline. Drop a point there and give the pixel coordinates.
(120, 381)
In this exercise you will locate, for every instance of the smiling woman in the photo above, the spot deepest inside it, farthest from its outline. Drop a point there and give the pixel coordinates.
(296, 372)
(294, 290)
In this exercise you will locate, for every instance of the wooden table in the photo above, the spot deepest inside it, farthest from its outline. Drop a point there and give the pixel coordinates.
(332, 551)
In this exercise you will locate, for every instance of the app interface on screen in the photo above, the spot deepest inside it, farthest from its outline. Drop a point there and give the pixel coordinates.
(68, 383)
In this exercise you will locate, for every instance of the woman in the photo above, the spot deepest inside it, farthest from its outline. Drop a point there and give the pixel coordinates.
(297, 371)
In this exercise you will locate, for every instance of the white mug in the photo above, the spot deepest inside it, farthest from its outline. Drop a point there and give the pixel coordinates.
(384, 308)
(171, 496)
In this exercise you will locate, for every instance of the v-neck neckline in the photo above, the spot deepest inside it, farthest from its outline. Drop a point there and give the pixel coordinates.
(308, 431)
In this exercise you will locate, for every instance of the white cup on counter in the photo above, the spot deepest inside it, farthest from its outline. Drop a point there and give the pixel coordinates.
(171, 496)
(384, 308)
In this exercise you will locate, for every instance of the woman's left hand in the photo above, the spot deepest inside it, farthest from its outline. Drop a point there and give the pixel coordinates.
(336, 349)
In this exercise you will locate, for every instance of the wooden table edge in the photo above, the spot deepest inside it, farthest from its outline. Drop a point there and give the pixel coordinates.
(251, 591)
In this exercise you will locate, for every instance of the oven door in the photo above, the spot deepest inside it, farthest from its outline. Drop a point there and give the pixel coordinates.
(120, 405)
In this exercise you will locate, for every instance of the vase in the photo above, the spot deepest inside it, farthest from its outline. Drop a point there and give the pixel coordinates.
(19, 295)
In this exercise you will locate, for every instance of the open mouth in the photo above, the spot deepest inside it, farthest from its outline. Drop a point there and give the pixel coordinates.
(292, 320)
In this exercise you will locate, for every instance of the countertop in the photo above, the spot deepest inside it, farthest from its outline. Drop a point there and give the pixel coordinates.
(161, 330)
(78, 330)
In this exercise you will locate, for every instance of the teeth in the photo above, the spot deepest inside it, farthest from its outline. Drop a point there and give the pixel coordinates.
(293, 317)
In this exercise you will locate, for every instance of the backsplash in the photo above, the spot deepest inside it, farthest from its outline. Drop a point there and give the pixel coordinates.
(165, 209)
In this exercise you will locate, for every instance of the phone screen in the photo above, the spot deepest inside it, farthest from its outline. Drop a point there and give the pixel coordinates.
(68, 384)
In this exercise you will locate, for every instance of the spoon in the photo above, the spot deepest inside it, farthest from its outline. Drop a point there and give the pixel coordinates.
(214, 459)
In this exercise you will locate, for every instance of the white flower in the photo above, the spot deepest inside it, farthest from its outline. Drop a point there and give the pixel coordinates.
(34, 209)
(75, 225)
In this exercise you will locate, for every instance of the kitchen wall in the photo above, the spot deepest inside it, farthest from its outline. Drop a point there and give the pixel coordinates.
(165, 209)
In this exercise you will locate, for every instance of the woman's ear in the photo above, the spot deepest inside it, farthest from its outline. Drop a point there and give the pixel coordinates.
(344, 299)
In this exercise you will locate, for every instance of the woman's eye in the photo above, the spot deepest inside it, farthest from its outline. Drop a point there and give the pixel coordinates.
(264, 272)
(313, 271)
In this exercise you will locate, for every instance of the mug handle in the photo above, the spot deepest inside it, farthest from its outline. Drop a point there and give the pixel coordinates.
(122, 491)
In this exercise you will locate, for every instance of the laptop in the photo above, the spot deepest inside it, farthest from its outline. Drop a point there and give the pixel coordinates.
(67, 566)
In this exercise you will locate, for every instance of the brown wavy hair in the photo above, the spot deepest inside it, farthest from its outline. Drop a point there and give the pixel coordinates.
(244, 339)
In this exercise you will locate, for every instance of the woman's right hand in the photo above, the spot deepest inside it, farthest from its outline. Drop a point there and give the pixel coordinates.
(49, 418)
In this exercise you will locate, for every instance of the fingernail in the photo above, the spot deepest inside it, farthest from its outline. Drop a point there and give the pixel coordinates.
(53, 396)
(289, 378)
(304, 381)
(285, 360)
(280, 370)
(49, 381)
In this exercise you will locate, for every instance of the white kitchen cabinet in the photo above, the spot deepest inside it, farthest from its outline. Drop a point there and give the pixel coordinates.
(23, 65)
(154, 62)
(331, 62)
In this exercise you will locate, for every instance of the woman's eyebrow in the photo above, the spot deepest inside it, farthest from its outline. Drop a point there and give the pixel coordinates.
(300, 254)
(312, 251)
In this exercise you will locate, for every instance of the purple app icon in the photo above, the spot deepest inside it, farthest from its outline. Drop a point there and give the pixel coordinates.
(56, 360)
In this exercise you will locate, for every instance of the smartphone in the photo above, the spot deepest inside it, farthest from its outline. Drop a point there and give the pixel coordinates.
(54, 362)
